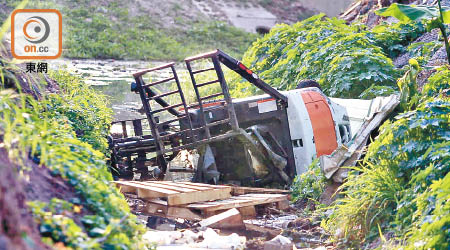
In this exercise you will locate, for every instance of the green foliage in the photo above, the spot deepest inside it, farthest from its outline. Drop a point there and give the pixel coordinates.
(370, 198)
(394, 38)
(41, 130)
(433, 230)
(374, 91)
(92, 33)
(122, 30)
(309, 185)
(406, 13)
(436, 17)
(86, 110)
(423, 51)
(54, 226)
(409, 97)
(344, 59)
(437, 82)
(404, 160)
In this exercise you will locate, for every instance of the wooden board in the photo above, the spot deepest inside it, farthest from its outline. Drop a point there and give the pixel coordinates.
(160, 208)
(238, 201)
(236, 190)
(176, 193)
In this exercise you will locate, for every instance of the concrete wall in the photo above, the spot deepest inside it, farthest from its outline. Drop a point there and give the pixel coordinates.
(329, 7)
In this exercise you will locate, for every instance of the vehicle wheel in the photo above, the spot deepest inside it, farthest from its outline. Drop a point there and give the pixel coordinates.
(308, 84)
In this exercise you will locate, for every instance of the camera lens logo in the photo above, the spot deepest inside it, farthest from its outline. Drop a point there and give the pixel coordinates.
(36, 34)
(36, 29)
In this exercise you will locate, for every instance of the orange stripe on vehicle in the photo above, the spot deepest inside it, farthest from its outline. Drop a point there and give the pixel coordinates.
(266, 100)
(321, 121)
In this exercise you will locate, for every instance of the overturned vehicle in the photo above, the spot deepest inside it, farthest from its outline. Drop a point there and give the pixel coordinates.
(252, 141)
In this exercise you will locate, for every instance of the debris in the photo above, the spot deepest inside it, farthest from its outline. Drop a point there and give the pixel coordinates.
(379, 109)
(279, 243)
(213, 240)
(279, 222)
(160, 223)
(162, 237)
(230, 219)
(262, 230)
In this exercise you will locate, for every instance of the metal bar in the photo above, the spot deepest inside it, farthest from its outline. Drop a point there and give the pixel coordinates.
(226, 93)
(140, 73)
(134, 138)
(207, 83)
(211, 96)
(163, 137)
(199, 100)
(163, 94)
(183, 100)
(201, 56)
(161, 102)
(124, 129)
(151, 120)
(204, 141)
(170, 121)
(128, 120)
(166, 108)
(218, 122)
(220, 103)
(137, 126)
(159, 82)
(202, 70)
(233, 64)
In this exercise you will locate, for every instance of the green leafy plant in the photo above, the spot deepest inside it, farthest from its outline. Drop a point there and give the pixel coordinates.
(394, 38)
(404, 160)
(436, 16)
(39, 130)
(344, 59)
(437, 82)
(309, 185)
(86, 110)
(371, 194)
(432, 231)
(407, 84)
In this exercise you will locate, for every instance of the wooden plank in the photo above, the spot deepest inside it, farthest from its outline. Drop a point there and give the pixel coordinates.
(204, 185)
(238, 201)
(246, 190)
(167, 187)
(230, 219)
(248, 212)
(126, 189)
(188, 195)
(176, 194)
(198, 196)
(159, 209)
(145, 192)
(178, 184)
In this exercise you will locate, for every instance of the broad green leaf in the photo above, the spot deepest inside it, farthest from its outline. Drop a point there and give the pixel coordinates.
(414, 12)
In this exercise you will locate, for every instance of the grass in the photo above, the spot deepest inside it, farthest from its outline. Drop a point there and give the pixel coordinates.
(112, 30)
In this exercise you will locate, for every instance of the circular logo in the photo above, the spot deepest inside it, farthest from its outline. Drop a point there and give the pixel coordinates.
(36, 29)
